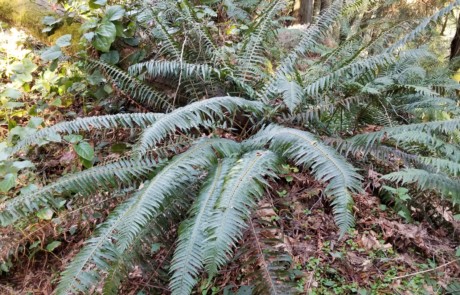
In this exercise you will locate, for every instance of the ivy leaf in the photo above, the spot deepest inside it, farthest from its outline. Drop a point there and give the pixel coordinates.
(64, 40)
(84, 150)
(114, 12)
(8, 182)
(53, 245)
(112, 57)
(52, 53)
(45, 214)
(104, 36)
(11, 93)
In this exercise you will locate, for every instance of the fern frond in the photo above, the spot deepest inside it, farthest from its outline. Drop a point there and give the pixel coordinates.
(243, 185)
(170, 46)
(252, 56)
(165, 69)
(132, 86)
(309, 38)
(304, 149)
(292, 93)
(201, 113)
(422, 26)
(123, 172)
(369, 139)
(442, 165)
(425, 180)
(181, 172)
(136, 120)
(188, 256)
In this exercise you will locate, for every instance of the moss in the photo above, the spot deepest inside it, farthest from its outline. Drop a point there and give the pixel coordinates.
(28, 16)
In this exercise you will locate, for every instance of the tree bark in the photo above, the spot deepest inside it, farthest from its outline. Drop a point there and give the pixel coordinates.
(455, 44)
(306, 11)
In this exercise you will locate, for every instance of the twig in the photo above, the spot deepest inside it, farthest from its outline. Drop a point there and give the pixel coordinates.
(180, 74)
(425, 271)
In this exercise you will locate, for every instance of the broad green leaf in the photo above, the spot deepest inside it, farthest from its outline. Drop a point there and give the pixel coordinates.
(114, 12)
(53, 245)
(34, 122)
(8, 182)
(64, 40)
(112, 57)
(11, 93)
(23, 164)
(104, 37)
(52, 53)
(50, 20)
(45, 214)
(84, 150)
(97, 3)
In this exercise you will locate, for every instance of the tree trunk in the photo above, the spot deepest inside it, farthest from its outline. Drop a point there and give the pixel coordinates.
(306, 11)
(455, 44)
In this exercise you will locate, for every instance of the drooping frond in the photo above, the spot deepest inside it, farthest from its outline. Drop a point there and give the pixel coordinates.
(369, 139)
(136, 120)
(304, 149)
(201, 113)
(169, 45)
(442, 165)
(243, 185)
(425, 180)
(182, 171)
(188, 257)
(165, 68)
(85, 182)
(132, 86)
(100, 254)
(292, 93)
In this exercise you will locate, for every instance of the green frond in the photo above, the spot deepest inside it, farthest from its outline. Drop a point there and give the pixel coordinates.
(202, 113)
(252, 54)
(169, 45)
(166, 68)
(292, 93)
(243, 185)
(136, 120)
(136, 89)
(304, 149)
(182, 171)
(188, 257)
(425, 180)
(423, 25)
(112, 175)
(442, 165)
(310, 38)
(370, 139)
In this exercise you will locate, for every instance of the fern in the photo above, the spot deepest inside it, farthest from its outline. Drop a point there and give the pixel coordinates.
(137, 120)
(188, 257)
(425, 180)
(305, 150)
(135, 88)
(243, 186)
(202, 113)
(86, 182)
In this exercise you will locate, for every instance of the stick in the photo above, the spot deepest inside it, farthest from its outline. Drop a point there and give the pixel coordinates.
(425, 271)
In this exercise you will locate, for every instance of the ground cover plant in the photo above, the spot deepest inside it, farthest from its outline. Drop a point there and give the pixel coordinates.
(226, 117)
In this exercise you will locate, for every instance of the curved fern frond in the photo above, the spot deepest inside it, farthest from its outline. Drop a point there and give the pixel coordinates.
(165, 68)
(442, 165)
(170, 46)
(136, 120)
(85, 182)
(425, 180)
(181, 172)
(133, 87)
(188, 256)
(243, 185)
(304, 149)
(201, 113)
(369, 139)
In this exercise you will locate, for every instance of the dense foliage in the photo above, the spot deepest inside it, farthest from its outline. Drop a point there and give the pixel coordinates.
(226, 110)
